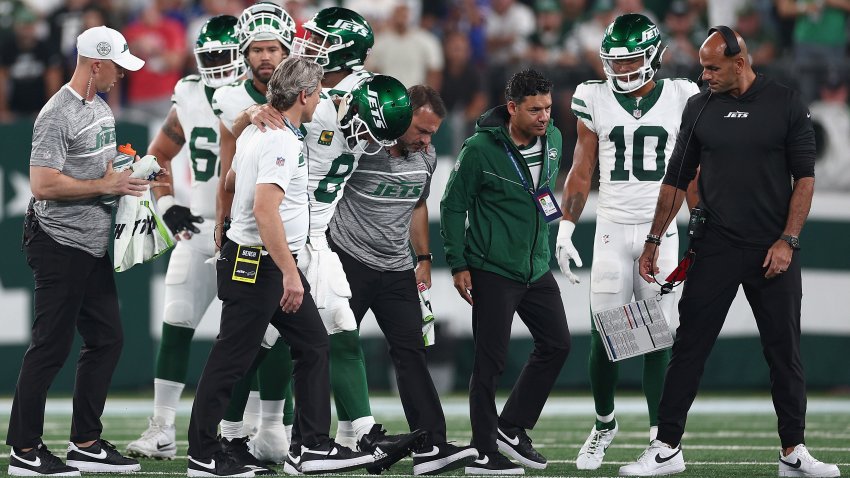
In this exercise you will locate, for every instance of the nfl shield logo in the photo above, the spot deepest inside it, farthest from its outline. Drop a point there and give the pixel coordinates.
(637, 114)
(280, 161)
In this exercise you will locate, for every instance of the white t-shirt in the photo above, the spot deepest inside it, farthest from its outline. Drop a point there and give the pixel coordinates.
(273, 157)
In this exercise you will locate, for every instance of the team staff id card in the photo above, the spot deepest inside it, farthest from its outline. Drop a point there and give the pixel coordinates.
(546, 204)
(247, 264)
(633, 329)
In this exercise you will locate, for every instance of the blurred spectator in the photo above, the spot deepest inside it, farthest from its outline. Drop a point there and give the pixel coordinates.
(468, 17)
(65, 25)
(547, 45)
(160, 41)
(30, 71)
(831, 119)
(379, 12)
(820, 38)
(462, 89)
(572, 12)
(635, 6)
(761, 41)
(723, 12)
(586, 37)
(406, 52)
(683, 37)
(8, 9)
(508, 25)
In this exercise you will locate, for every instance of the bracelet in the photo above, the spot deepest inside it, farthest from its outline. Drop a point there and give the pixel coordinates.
(653, 239)
(425, 257)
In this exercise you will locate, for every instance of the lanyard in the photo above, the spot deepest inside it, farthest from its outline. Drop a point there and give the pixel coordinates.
(295, 131)
(519, 171)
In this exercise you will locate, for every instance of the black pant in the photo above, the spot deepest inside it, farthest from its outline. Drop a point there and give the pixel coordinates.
(247, 310)
(72, 289)
(718, 270)
(495, 299)
(393, 297)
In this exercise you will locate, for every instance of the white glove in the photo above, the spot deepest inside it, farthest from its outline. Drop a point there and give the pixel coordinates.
(145, 168)
(565, 250)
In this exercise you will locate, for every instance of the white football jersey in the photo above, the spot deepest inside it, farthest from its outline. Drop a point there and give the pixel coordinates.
(193, 101)
(636, 140)
(331, 161)
(230, 100)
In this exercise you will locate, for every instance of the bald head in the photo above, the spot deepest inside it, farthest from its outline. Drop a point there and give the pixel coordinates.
(725, 74)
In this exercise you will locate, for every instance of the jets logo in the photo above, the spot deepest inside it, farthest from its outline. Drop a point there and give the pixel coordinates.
(553, 153)
(649, 34)
(351, 26)
(737, 114)
(375, 109)
(103, 48)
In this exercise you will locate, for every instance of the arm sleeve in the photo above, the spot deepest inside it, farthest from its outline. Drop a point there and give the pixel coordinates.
(800, 140)
(683, 164)
(50, 138)
(461, 191)
(277, 159)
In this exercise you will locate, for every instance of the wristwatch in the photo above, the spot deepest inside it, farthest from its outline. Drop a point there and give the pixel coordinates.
(425, 257)
(792, 241)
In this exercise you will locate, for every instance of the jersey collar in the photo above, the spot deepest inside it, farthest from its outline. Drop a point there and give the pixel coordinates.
(639, 109)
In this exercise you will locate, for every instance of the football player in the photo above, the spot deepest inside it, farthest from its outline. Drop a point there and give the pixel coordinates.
(340, 39)
(265, 34)
(190, 284)
(628, 126)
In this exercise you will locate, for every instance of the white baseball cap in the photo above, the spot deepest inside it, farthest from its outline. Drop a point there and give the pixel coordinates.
(104, 43)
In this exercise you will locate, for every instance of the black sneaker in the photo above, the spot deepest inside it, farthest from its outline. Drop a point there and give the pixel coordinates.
(388, 449)
(436, 459)
(38, 462)
(515, 443)
(237, 448)
(292, 465)
(332, 457)
(493, 464)
(221, 464)
(100, 457)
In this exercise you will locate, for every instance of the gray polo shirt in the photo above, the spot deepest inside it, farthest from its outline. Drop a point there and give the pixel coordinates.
(372, 220)
(78, 140)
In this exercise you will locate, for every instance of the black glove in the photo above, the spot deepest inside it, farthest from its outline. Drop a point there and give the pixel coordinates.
(180, 218)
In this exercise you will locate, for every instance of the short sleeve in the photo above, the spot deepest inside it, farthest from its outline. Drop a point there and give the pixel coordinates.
(50, 139)
(581, 106)
(430, 157)
(278, 159)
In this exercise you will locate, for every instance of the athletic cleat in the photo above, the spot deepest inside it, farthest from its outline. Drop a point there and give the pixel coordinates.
(658, 459)
(221, 464)
(332, 457)
(800, 463)
(388, 449)
(436, 459)
(100, 457)
(269, 445)
(593, 451)
(238, 450)
(38, 462)
(493, 464)
(158, 441)
(515, 443)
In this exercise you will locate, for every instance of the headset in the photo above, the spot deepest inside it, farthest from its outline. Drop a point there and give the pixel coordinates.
(732, 47)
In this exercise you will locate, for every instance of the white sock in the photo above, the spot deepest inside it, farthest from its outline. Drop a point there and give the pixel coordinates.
(166, 397)
(362, 426)
(344, 429)
(271, 416)
(653, 433)
(605, 418)
(231, 430)
(251, 415)
(288, 433)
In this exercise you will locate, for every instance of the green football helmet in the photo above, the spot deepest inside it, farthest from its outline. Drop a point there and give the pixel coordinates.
(374, 114)
(627, 37)
(337, 38)
(217, 52)
(265, 21)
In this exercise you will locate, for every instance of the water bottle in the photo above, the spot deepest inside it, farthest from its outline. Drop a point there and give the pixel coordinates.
(125, 158)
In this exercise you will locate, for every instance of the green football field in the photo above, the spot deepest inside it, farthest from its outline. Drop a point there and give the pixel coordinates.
(733, 436)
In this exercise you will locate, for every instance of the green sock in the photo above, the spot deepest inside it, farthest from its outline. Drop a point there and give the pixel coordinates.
(348, 376)
(603, 379)
(275, 372)
(654, 368)
(172, 360)
(239, 395)
(288, 406)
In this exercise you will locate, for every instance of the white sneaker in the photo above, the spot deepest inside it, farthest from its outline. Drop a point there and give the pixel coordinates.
(158, 441)
(800, 463)
(269, 445)
(593, 451)
(658, 459)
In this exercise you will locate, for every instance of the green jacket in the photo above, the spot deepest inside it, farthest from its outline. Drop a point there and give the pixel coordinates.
(506, 234)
